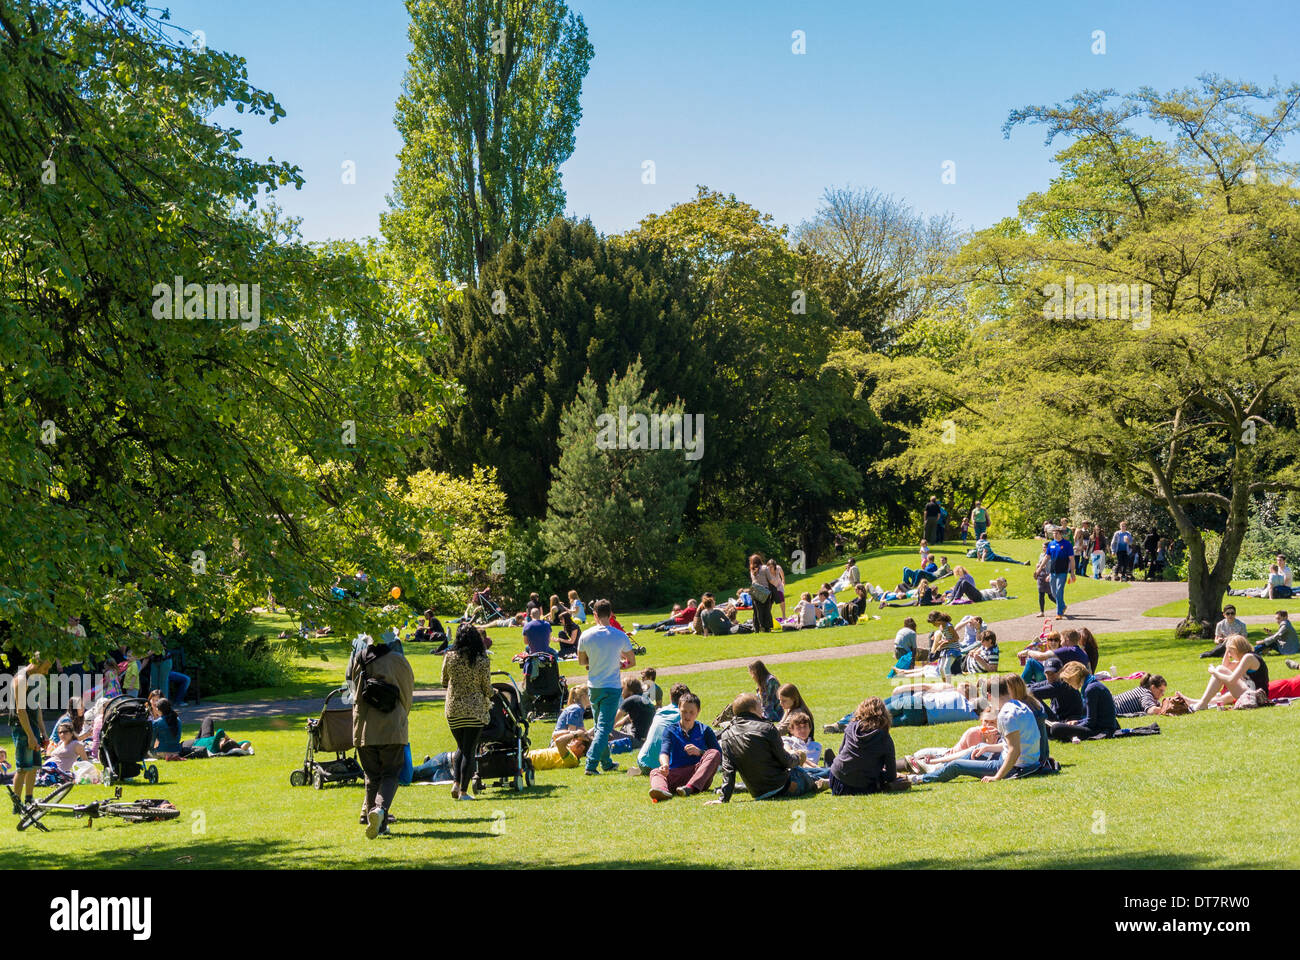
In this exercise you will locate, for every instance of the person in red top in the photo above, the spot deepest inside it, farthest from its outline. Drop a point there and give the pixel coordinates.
(679, 617)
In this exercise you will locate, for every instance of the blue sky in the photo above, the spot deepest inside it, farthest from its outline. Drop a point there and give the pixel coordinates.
(712, 93)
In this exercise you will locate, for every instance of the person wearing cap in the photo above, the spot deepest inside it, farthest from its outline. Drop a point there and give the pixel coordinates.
(1062, 702)
(1060, 554)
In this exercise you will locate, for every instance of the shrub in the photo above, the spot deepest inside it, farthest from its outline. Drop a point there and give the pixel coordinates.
(227, 659)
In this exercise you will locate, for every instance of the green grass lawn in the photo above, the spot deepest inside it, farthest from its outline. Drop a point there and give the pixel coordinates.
(1246, 606)
(1197, 796)
(314, 677)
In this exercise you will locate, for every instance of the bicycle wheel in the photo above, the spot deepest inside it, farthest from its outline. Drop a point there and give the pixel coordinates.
(138, 811)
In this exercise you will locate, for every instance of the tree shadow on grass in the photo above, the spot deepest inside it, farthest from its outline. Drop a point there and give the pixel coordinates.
(1137, 860)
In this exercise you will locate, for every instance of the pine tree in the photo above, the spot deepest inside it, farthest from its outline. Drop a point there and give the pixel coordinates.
(615, 506)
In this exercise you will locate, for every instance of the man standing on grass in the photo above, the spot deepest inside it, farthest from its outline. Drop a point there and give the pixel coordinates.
(29, 731)
(1060, 557)
(384, 684)
(604, 651)
(932, 520)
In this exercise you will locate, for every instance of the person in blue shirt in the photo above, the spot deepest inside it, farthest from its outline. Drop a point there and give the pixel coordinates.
(166, 729)
(1060, 560)
(689, 756)
(537, 636)
(1121, 544)
(665, 717)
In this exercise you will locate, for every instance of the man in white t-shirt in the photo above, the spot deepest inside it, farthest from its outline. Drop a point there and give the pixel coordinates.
(1229, 626)
(604, 650)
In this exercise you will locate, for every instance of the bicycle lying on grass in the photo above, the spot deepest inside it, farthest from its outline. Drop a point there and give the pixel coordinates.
(132, 811)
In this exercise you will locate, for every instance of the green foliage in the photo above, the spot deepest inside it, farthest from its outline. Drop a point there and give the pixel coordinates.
(571, 304)
(614, 511)
(460, 522)
(487, 115)
(714, 556)
(1207, 222)
(163, 465)
(1274, 528)
(526, 569)
(225, 655)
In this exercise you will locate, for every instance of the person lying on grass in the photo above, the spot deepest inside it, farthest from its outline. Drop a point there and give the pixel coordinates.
(689, 756)
(566, 750)
(1098, 708)
(965, 589)
(923, 596)
(752, 750)
(922, 704)
(1240, 671)
(679, 617)
(866, 761)
(927, 758)
(1142, 699)
(984, 552)
(1020, 750)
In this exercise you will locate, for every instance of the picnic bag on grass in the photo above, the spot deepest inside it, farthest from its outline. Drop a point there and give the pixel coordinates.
(1175, 706)
(379, 694)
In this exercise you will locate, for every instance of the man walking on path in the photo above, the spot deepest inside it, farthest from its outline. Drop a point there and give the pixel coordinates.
(383, 679)
(1060, 556)
(932, 521)
(604, 650)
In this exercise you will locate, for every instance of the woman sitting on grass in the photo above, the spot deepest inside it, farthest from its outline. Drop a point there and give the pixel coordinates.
(792, 702)
(65, 750)
(805, 614)
(923, 596)
(1240, 671)
(866, 761)
(1021, 749)
(768, 689)
(571, 718)
(1098, 708)
(928, 758)
(944, 649)
(1142, 699)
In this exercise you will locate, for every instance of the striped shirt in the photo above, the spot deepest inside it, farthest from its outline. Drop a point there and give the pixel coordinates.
(1137, 700)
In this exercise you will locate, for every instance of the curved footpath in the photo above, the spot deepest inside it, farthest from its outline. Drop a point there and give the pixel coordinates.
(1117, 612)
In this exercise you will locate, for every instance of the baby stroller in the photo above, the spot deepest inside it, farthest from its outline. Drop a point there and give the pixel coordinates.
(545, 691)
(489, 610)
(125, 739)
(331, 732)
(503, 747)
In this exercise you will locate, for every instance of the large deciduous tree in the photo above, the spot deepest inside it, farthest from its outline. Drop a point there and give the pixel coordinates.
(487, 116)
(1140, 316)
(163, 458)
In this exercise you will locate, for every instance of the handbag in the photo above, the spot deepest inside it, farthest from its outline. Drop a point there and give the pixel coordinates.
(760, 591)
(1175, 706)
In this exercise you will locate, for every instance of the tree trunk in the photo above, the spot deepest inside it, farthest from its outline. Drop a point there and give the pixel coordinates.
(1204, 602)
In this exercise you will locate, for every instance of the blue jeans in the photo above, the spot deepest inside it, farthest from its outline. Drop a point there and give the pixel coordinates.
(1033, 672)
(970, 767)
(979, 530)
(183, 681)
(436, 770)
(1058, 591)
(604, 707)
(913, 578)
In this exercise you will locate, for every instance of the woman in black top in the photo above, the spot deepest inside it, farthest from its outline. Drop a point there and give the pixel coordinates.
(865, 763)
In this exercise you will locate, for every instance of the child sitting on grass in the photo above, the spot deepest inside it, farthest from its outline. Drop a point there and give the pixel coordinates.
(816, 761)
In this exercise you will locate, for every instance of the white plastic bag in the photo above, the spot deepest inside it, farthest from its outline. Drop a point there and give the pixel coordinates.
(85, 772)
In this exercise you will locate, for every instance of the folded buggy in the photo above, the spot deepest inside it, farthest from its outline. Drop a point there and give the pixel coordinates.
(331, 732)
(125, 739)
(545, 691)
(503, 746)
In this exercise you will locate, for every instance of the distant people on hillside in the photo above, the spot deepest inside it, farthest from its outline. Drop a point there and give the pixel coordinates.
(762, 590)
(979, 520)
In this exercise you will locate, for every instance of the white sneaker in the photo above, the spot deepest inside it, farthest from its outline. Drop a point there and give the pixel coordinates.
(467, 796)
(374, 820)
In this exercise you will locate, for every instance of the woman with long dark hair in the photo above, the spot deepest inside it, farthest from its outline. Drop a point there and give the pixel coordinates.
(760, 584)
(468, 679)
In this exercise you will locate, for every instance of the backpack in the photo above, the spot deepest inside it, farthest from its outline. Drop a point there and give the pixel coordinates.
(379, 694)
